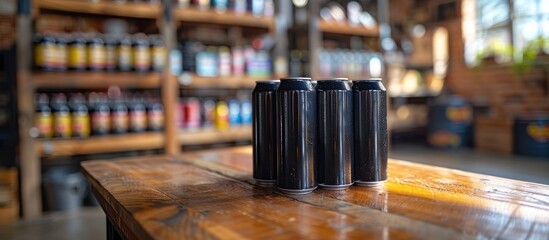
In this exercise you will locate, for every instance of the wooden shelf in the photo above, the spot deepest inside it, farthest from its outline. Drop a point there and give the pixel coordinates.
(227, 18)
(108, 8)
(195, 81)
(197, 137)
(347, 29)
(87, 80)
(100, 144)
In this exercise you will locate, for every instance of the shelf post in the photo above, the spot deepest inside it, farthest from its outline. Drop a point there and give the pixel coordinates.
(31, 195)
(168, 84)
(315, 38)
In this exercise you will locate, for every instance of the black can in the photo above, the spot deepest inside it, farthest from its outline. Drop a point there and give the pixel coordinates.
(264, 117)
(296, 111)
(335, 133)
(370, 135)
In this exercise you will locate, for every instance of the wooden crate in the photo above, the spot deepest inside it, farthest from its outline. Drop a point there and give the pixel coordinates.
(494, 134)
(9, 204)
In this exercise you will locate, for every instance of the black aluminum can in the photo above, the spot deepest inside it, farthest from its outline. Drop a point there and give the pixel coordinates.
(297, 111)
(335, 133)
(265, 147)
(370, 135)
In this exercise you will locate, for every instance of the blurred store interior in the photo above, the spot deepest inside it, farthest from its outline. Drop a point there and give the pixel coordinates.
(467, 83)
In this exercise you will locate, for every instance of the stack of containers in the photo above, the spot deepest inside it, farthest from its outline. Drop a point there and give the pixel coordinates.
(319, 133)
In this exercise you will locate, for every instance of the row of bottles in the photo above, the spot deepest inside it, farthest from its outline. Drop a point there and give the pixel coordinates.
(96, 115)
(99, 52)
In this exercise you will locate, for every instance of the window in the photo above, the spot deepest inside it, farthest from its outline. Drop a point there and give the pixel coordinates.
(503, 28)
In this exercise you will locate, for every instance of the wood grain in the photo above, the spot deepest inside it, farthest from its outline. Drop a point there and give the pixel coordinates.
(100, 144)
(211, 195)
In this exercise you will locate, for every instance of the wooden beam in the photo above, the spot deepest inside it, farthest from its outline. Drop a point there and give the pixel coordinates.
(170, 90)
(31, 195)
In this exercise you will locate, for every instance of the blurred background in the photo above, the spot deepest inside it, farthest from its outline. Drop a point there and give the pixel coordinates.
(467, 81)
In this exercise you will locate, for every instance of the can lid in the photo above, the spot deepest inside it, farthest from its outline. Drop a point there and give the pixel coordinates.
(368, 84)
(296, 78)
(330, 79)
(266, 85)
(367, 80)
(333, 84)
(267, 81)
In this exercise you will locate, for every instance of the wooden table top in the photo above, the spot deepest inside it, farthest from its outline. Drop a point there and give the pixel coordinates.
(211, 194)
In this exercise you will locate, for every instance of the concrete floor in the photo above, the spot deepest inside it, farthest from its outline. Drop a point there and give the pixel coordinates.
(89, 223)
(508, 166)
(86, 224)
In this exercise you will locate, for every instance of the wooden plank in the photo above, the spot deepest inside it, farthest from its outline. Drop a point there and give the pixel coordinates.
(100, 144)
(227, 18)
(170, 91)
(209, 136)
(90, 80)
(107, 8)
(31, 197)
(347, 29)
(195, 81)
(475, 204)
(200, 204)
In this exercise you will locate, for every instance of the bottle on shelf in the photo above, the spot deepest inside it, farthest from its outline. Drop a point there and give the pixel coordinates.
(43, 119)
(100, 115)
(221, 115)
(61, 116)
(141, 53)
(234, 112)
(77, 52)
(61, 52)
(44, 51)
(155, 115)
(158, 53)
(110, 52)
(79, 116)
(207, 113)
(119, 117)
(138, 114)
(125, 56)
(96, 52)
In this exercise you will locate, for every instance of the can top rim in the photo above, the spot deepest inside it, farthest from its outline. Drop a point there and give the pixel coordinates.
(368, 80)
(333, 79)
(295, 78)
(267, 81)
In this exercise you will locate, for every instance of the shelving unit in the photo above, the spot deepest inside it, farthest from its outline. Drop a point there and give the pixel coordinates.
(100, 144)
(210, 136)
(90, 80)
(318, 28)
(167, 19)
(29, 81)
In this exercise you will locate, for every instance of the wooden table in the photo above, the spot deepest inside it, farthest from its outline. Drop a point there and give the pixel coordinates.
(211, 195)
